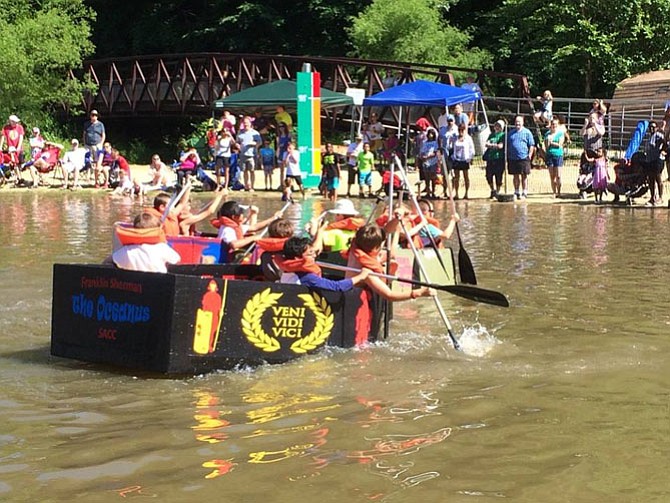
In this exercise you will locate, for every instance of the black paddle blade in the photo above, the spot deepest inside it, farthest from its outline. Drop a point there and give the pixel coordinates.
(465, 267)
(476, 294)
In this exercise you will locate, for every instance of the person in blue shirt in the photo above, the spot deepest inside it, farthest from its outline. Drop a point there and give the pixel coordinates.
(268, 159)
(520, 150)
(298, 265)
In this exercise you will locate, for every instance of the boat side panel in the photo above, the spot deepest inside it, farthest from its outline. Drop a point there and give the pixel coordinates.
(197, 249)
(218, 319)
(107, 315)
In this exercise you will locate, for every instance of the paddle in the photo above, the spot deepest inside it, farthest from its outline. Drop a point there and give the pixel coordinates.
(176, 197)
(253, 245)
(415, 202)
(438, 304)
(465, 267)
(470, 292)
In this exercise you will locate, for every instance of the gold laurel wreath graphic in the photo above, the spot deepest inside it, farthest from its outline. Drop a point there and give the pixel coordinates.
(251, 320)
(322, 327)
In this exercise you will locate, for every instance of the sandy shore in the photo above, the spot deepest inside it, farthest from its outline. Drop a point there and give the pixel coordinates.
(539, 184)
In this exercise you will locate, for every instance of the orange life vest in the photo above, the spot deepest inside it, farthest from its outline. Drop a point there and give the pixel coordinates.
(347, 224)
(170, 224)
(297, 265)
(133, 236)
(228, 222)
(272, 245)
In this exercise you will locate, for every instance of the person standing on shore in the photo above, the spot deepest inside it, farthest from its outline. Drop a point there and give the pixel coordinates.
(13, 135)
(495, 159)
(94, 136)
(553, 147)
(654, 157)
(249, 140)
(353, 150)
(520, 150)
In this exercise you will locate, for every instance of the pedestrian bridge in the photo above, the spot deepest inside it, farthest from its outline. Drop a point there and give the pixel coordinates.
(188, 84)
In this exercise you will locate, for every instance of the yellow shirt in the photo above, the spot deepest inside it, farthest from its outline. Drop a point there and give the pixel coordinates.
(284, 117)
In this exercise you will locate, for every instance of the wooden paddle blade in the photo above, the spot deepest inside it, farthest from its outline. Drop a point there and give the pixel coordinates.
(465, 267)
(475, 294)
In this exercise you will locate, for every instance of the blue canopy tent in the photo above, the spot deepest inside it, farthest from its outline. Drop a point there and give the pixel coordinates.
(422, 93)
(430, 94)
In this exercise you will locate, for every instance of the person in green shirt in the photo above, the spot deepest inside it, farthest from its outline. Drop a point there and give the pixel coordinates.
(366, 161)
(553, 145)
(495, 157)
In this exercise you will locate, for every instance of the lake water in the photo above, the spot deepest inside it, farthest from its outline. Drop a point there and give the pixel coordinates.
(561, 397)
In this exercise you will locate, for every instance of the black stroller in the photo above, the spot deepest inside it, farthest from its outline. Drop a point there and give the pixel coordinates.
(630, 180)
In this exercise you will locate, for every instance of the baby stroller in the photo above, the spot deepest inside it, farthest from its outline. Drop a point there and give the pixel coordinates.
(398, 185)
(630, 180)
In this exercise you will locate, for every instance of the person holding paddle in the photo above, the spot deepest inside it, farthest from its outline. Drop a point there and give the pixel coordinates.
(234, 224)
(298, 266)
(364, 254)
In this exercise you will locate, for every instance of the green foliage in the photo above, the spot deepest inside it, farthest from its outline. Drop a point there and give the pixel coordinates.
(576, 47)
(40, 42)
(413, 31)
(248, 26)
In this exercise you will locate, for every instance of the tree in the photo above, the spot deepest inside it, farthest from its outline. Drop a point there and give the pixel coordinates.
(40, 43)
(413, 31)
(304, 27)
(579, 47)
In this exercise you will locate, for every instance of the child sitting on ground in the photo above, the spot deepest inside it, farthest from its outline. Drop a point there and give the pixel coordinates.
(144, 246)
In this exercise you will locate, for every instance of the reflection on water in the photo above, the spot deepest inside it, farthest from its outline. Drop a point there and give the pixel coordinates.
(546, 403)
(299, 426)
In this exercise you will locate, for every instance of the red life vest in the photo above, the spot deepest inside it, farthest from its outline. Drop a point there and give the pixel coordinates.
(228, 222)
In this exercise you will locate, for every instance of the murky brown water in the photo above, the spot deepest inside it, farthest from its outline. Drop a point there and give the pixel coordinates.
(567, 400)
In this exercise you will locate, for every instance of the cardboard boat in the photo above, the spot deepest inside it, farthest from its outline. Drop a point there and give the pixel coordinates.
(198, 318)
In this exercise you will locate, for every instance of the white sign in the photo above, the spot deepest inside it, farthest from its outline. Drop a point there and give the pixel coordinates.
(357, 94)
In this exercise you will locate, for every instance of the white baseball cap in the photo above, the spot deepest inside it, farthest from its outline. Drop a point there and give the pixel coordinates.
(14, 118)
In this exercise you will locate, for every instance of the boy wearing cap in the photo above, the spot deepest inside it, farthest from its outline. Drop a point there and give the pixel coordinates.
(12, 136)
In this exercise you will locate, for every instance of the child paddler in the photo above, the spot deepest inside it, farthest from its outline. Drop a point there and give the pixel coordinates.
(338, 234)
(234, 225)
(365, 253)
(279, 231)
(432, 228)
(298, 266)
(170, 223)
(144, 247)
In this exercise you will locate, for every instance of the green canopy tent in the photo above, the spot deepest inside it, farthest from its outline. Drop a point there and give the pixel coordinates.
(279, 92)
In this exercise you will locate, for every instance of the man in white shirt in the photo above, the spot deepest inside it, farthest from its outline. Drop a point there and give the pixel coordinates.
(72, 163)
(249, 139)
